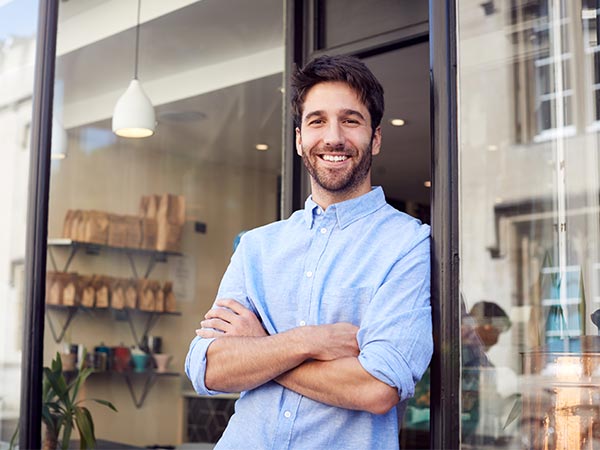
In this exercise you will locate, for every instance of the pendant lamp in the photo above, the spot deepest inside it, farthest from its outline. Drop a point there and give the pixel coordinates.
(133, 116)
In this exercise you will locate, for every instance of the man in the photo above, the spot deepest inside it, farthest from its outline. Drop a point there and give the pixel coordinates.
(323, 321)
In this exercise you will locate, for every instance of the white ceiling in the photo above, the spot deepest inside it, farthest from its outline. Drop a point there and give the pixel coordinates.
(224, 125)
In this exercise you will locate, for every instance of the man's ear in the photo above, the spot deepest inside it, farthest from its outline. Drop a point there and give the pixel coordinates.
(298, 142)
(376, 144)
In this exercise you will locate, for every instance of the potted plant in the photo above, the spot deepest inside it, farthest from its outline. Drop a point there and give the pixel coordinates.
(61, 411)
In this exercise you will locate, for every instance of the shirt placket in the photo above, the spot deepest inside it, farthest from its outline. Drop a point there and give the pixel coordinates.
(323, 223)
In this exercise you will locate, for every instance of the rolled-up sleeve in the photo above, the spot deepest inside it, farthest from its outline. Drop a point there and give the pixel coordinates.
(195, 365)
(232, 286)
(395, 335)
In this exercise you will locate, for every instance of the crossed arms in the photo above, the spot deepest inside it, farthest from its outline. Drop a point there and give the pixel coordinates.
(319, 362)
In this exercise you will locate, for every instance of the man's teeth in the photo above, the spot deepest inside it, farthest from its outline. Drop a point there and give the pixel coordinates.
(335, 158)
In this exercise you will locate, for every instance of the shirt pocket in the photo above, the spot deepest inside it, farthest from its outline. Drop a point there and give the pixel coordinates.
(345, 305)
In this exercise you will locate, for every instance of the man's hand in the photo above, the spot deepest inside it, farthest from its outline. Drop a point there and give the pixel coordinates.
(230, 319)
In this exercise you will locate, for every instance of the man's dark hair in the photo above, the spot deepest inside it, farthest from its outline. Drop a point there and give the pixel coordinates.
(489, 312)
(347, 69)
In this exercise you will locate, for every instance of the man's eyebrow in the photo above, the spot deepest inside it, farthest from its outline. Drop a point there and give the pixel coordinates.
(313, 114)
(353, 112)
(343, 112)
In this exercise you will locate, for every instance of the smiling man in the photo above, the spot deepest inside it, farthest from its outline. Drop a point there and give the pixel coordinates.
(323, 321)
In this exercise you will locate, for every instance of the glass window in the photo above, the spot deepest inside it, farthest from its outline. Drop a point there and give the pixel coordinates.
(529, 225)
(18, 22)
(141, 229)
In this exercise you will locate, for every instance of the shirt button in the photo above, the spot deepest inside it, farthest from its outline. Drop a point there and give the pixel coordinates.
(318, 212)
(287, 414)
(309, 274)
(302, 323)
(323, 230)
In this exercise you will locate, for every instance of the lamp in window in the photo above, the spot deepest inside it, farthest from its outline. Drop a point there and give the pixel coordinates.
(60, 139)
(134, 116)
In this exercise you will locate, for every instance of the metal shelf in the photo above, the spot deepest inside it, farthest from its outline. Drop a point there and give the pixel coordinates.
(150, 377)
(121, 314)
(95, 249)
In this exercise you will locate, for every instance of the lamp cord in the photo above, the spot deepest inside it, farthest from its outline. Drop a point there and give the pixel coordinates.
(137, 41)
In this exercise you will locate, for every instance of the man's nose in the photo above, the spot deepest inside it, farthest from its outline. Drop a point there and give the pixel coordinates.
(334, 136)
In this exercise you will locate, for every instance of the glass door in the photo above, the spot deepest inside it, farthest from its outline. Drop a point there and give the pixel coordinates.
(141, 229)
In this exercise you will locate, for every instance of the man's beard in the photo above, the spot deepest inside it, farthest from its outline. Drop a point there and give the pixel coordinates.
(334, 181)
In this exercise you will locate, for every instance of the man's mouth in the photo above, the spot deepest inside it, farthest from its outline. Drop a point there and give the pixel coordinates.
(334, 158)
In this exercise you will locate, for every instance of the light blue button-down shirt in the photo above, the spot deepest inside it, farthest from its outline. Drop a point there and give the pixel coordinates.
(359, 261)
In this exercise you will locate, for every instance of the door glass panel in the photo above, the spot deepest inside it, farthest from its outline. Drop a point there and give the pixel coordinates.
(142, 229)
(345, 21)
(529, 223)
(18, 24)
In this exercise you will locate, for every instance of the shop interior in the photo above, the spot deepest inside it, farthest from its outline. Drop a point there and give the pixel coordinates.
(212, 169)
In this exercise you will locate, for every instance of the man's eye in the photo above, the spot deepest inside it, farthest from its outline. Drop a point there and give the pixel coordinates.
(315, 122)
(351, 121)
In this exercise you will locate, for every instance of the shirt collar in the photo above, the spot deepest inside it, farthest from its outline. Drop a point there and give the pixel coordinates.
(350, 210)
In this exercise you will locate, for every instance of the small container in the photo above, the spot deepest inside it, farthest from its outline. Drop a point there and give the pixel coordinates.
(162, 361)
(155, 344)
(121, 359)
(140, 361)
(102, 357)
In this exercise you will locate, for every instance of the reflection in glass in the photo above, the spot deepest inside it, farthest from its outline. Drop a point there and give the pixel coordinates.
(530, 188)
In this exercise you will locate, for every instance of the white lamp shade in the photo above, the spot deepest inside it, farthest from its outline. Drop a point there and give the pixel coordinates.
(134, 114)
(60, 140)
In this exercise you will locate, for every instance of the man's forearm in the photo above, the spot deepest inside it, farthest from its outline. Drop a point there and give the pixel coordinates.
(343, 383)
(239, 363)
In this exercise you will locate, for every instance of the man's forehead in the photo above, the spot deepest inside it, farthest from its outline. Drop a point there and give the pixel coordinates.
(321, 96)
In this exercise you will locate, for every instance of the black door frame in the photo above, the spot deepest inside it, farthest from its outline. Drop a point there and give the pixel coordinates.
(446, 364)
(300, 32)
(32, 360)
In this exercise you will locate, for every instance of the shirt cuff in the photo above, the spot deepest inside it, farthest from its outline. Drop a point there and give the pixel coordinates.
(195, 365)
(387, 364)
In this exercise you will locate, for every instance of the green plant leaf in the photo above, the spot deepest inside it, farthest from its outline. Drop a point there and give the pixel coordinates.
(105, 403)
(13, 439)
(48, 419)
(85, 425)
(91, 421)
(55, 409)
(56, 364)
(67, 435)
(78, 381)
(59, 385)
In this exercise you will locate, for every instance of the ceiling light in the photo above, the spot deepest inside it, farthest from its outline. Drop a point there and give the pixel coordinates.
(427, 184)
(59, 142)
(262, 147)
(492, 148)
(134, 116)
(397, 122)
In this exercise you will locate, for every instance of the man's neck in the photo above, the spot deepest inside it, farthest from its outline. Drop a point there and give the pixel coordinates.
(325, 198)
